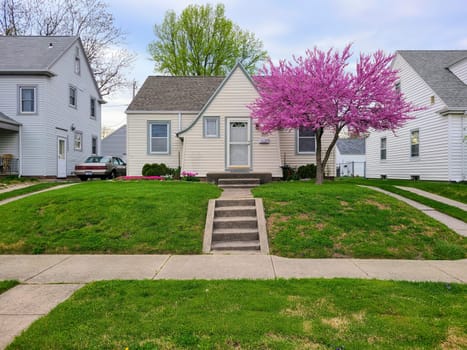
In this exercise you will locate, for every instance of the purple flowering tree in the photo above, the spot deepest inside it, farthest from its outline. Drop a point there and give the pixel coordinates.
(317, 92)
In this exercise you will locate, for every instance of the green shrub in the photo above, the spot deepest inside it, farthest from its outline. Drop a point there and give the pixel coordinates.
(289, 173)
(156, 169)
(307, 171)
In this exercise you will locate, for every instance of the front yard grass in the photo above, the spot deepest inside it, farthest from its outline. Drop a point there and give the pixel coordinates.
(343, 220)
(5, 285)
(278, 314)
(109, 217)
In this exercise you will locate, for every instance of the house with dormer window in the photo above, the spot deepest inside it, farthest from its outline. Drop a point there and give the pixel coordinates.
(50, 106)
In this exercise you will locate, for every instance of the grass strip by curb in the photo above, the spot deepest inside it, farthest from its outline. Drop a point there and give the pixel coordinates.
(27, 190)
(261, 314)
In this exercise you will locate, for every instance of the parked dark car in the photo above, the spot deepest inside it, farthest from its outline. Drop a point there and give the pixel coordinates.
(104, 167)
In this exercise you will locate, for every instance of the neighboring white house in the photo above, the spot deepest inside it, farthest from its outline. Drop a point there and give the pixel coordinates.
(50, 106)
(350, 157)
(203, 124)
(433, 145)
(114, 144)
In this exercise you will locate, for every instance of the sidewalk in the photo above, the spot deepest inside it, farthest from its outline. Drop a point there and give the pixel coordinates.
(435, 197)
(458, 226)
(12, 199)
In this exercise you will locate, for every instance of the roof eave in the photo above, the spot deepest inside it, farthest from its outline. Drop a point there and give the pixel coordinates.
(130, 111)
(453, 110)
(46, 73)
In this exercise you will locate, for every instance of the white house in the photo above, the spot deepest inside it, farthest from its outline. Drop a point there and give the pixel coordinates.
(203, 124)
(50, 106)
(114, 144)
(350, 157)
(433, 145)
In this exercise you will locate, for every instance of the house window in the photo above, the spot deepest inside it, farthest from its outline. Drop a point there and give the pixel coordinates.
(306, 140)
(78, 141)
(27, 99)
(414, 143)
(397, 87)
(73, 94)
(432, 100)
(94, 145)
(93, 108)
(383, 152)
(77, 62)
(211, 126)
(159, 137)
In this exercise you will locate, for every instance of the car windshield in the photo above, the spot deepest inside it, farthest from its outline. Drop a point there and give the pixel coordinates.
(97, 159)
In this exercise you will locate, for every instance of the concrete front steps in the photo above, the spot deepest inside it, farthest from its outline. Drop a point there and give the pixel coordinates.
(233, 183)
(236, 224)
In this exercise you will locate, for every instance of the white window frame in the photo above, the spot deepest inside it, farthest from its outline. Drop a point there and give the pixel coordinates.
(150, 138)
(73, 88)
(412, 156)
(205, 127)
(297, 142)
(78, 141)
(92, 107)
(385, 149)
(20, 99)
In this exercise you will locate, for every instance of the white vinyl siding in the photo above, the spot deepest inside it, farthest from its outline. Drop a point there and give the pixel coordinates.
(433, 163)
(159, 137)
(207, 155)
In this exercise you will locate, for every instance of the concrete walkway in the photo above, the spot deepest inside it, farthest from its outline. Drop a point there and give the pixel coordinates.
(9, 200)
(458, 226)
(435, 197)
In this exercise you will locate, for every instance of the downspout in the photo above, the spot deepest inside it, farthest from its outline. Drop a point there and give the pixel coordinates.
(463, 144)
(20, 151)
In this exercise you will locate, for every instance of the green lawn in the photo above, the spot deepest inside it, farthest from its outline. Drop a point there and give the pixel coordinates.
(109, 217)
(277, 314)
(456, 191)
(5, 285)
(30, 189)
(343, 220)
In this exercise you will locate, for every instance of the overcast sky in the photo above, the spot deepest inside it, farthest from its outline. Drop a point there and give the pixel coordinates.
(289, 27)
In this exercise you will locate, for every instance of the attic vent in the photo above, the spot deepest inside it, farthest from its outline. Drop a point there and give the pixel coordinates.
(432, 100)
(51, 45)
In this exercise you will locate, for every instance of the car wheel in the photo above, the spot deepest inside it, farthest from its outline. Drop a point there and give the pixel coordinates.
(113, 175)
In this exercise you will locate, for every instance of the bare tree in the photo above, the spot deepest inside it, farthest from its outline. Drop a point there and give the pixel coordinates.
(89, 19)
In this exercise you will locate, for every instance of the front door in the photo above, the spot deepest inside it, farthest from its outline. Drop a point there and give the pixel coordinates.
(61, 157)
(238, 143)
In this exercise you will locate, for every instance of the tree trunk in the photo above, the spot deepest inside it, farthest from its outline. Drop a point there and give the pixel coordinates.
(319, 164)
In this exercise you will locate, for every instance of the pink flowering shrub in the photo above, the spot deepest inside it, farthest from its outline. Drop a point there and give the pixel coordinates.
(189, 175)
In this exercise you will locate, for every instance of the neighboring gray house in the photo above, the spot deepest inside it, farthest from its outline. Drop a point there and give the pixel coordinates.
(114, 144)
(50, 106)
(433, 145)
(350, 157)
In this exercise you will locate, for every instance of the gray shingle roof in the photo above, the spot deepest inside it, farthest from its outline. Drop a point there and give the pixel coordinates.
(8, 120)
(32, 53)
(432, 66)
(164, 93)
(351, 146)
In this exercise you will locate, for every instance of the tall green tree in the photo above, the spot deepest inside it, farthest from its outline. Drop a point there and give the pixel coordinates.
(202, 41)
